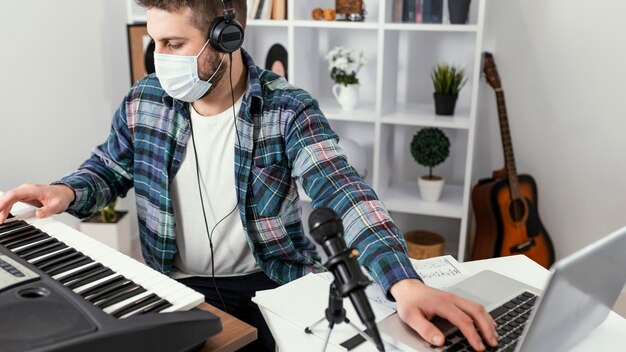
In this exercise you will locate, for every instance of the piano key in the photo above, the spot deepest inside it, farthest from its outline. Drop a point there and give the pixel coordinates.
(43, 249)
(99, 287)
(9, 227)
(109, 291)
(47, 257)
(97, 275)
(117, 306)
(17, 235)
(78, 273)
(28, 246)
(16, 231)
(128, 293)
(27, 240)
(70, 263)
(70, 255)
(155, 306)
(133, 306)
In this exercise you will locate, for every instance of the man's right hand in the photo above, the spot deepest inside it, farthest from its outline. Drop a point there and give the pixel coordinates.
(51, 199)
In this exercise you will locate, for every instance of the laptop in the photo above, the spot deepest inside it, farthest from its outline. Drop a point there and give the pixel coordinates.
(580, 293)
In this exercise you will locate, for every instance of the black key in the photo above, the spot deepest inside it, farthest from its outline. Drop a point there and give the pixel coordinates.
(23, 239)
(532, 301)
(109, 291)
(101, 286)
(16, 236)
(96, 275)
(501, 321)
(516, 301)
(514, 324)
(28, 240)
(16, 231)
(523, 298)
(528, 294)
(509, 305)
(71, 264)
(498, 312)
(49, 248)
(507, 328)
(62, 252)
(505, 340)
(526, 306)
(159, 306)
(136, 305)
(121, 296)
(80, 273)
(71, 255)
(520, 310)
(10, 216)
(520, 320)
(11, 225)
(454, 348)
(26, 250)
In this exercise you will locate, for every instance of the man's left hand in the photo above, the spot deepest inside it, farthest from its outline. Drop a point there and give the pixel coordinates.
(419, 303)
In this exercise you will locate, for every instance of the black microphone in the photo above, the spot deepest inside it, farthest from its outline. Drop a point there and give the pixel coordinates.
(327, 230)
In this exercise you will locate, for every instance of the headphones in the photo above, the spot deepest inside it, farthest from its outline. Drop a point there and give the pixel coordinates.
(226, 33)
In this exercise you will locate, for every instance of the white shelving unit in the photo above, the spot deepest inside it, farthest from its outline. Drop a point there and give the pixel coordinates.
(395, 99)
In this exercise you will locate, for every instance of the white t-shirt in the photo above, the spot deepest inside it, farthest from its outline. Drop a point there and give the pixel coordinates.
(215, 142)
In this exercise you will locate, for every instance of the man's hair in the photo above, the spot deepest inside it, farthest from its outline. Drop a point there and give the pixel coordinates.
(204, 11)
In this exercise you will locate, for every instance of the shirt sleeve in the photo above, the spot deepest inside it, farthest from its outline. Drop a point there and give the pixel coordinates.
(321, 165)
(107, 173)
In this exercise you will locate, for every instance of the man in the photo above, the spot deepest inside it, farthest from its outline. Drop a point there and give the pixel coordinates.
(175, 140)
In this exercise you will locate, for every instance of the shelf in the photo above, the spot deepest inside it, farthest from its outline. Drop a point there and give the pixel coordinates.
(412, 114)
(404, 197)
(431, 27)
(364, 112)
(335, 24)
(267, 23)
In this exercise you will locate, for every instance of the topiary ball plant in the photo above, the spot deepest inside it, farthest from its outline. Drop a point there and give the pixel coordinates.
(430, 147)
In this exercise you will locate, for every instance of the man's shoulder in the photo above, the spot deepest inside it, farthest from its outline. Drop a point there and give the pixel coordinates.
(147, 88)
(278, 93)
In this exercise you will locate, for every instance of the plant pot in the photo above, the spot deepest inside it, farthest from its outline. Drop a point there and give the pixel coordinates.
(458, 11)
(117, 235)
(430, 189)
(347, 96)
(445, 104)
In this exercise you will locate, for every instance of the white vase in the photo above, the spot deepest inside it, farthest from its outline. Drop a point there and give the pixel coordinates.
(347, 96)
(430, 190)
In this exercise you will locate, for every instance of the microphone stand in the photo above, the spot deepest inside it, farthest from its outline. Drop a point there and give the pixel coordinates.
(335, 314)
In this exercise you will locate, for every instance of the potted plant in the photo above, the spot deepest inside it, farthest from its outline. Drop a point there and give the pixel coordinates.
(344, 66)
(111, 227)
(430, 147)
(447, 81)
(458, 11)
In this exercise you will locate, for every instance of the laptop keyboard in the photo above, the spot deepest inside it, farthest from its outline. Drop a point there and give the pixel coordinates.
(511, 318)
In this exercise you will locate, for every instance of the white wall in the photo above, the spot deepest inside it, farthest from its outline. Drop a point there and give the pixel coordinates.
(562, 67)
(64, 70)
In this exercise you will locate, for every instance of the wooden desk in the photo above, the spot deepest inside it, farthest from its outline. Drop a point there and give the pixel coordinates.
(235, 333)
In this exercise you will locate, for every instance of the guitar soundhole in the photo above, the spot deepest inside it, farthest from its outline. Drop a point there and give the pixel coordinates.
(517, 209)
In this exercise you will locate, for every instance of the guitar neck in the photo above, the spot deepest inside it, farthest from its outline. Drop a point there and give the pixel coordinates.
(507, 145)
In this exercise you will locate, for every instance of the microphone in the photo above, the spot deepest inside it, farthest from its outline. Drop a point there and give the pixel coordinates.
(327, 230)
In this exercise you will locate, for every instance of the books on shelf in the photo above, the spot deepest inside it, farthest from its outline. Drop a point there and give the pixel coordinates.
(417, 11)
(268, 10)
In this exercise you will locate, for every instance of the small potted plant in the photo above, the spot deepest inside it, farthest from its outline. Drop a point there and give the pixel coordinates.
(344, 66)
(111, 227)
(430, 147)
(447, 81)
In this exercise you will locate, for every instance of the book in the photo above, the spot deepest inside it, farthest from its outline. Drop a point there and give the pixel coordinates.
(396, 11)
(253, 9)
(418, 11)
(259, 9)
(408, 11)
(266, 10)
(279, 10)
(432, 11)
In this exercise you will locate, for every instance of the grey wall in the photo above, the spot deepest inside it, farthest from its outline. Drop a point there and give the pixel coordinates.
(562, 66)
(64, 70)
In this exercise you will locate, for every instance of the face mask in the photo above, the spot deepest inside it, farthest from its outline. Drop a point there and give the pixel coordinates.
(178, 75)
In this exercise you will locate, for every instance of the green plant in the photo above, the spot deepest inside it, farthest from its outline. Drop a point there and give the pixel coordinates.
(430, 147)
(448, 79)
(108, 213)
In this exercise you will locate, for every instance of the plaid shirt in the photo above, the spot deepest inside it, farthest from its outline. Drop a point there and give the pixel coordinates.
(284, 136)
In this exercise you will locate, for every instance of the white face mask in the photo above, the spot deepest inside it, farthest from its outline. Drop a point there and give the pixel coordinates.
(178, 75)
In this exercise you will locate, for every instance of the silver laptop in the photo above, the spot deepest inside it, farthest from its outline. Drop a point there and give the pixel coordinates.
(580, 294)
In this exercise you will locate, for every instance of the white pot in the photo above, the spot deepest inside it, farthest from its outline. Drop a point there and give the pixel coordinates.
(117, 235)
(347, 96)
(430, 189)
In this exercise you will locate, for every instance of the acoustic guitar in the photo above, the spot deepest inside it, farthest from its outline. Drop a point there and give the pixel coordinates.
(507, 216)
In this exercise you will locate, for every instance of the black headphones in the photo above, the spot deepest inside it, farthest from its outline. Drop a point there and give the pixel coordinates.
(225, 33)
